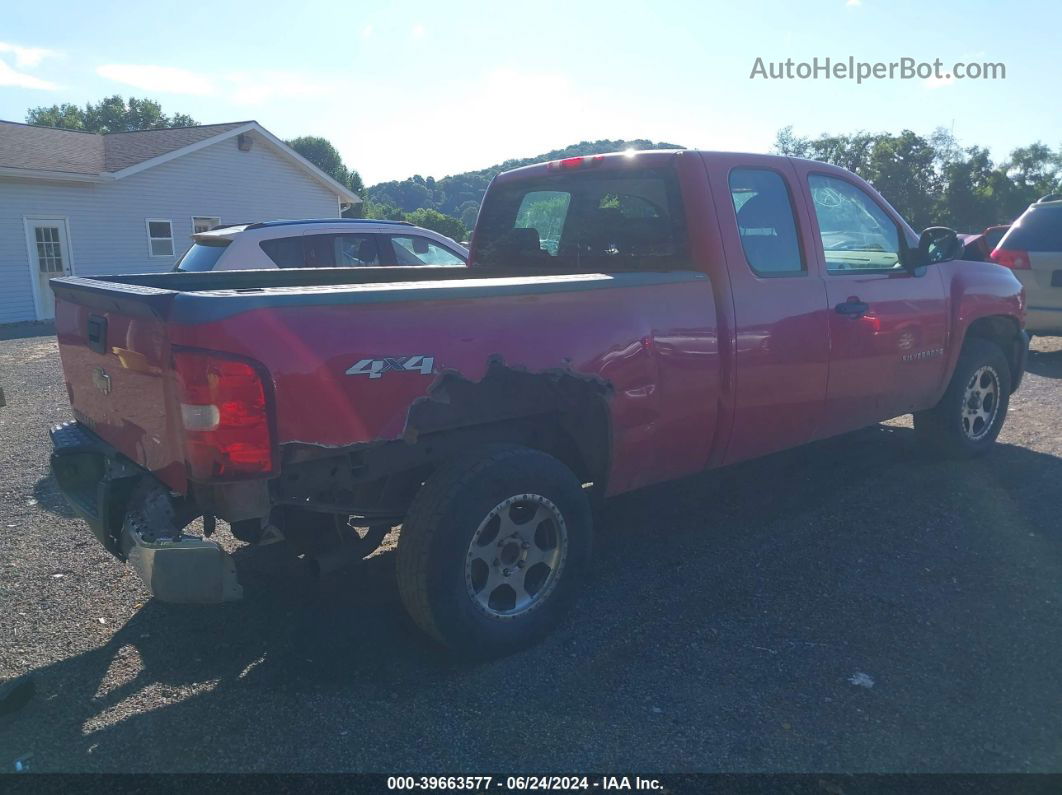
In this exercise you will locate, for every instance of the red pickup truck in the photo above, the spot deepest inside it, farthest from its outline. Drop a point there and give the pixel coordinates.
(625, 319)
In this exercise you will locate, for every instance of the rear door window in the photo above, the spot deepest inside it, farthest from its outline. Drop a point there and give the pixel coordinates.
(340, 250)
(766, 223)
(286, 252)
(585, 220)
(355, 251)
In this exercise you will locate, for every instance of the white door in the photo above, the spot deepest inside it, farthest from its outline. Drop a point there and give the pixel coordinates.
(49, 248)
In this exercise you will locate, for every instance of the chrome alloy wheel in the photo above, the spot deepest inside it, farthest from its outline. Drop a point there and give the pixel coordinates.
(516, 556)
(980, 403)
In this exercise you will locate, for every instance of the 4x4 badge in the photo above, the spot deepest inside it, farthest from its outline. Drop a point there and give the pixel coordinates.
(374, 368)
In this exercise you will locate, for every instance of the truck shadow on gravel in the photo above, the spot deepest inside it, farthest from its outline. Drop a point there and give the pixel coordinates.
(46, 493)
(1045, 363)
(717, 603)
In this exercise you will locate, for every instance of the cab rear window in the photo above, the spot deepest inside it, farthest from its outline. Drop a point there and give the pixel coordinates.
(585, 220)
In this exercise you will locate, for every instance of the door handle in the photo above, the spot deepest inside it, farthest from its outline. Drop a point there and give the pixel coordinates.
(852, 308)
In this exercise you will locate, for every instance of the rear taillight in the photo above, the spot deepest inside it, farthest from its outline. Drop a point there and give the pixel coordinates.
(1014, 259)
(224, 416)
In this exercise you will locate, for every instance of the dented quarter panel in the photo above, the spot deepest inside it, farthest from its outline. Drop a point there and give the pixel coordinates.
(650, 337)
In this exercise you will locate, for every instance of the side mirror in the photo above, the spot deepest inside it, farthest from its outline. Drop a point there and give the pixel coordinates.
(937, 244)
(420, 245)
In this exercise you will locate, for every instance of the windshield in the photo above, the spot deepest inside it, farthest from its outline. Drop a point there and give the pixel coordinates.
(585, 220)
(202, 256)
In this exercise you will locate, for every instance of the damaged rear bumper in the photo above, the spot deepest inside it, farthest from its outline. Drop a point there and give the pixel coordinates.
(101, 486)
(188, 570)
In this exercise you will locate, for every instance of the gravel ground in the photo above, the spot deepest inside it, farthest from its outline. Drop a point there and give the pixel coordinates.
(848, 606)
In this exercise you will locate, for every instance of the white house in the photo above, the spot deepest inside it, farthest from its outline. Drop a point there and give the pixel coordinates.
(90, 204)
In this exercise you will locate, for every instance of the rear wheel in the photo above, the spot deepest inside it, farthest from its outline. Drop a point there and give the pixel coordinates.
(969, 417)
(493, 548)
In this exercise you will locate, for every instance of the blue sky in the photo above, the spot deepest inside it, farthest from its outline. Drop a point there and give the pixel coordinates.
(436, 88)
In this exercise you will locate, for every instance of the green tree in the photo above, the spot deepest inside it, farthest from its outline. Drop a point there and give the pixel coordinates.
(435, 220)
(112, 114)
(382, 211)
(968, 201)
(902, 168)
(356, 184)
(467, 213)
(1034, 171)
(322, 154)
(935, 180)
(326, 157)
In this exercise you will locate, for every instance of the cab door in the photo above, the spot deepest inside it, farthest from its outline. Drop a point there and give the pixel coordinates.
(780, 317)
(887, 325)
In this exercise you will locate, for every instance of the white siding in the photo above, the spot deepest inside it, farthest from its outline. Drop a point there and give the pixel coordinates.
(106, 221)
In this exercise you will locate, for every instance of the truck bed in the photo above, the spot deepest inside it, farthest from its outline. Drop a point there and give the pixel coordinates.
(318, 334)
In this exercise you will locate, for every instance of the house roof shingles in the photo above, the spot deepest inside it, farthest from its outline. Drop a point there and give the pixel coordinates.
(29, 147)
(50, 149)
(121, 150)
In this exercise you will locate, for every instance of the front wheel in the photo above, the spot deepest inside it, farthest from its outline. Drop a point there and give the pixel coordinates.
(493, 548)
(969, 417)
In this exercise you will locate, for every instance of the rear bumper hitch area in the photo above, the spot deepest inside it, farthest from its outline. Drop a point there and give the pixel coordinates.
(184, 570)
(136, 519)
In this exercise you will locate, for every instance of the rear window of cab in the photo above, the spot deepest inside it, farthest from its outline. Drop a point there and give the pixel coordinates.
(585, 220)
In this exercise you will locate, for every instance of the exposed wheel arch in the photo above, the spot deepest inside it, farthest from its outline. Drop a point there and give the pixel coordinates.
(558, 412)
(1005, 332)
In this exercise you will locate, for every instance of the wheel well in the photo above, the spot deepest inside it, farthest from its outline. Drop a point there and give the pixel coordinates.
(558, 412)
(1006, 333)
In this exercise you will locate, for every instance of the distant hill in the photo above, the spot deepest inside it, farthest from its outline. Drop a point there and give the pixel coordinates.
(459, 195)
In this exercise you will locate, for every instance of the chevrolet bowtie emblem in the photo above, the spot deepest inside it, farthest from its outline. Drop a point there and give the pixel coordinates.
(101, 380)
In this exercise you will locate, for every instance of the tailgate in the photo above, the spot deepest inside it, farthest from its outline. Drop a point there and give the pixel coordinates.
(116, 363)
(1045, 288)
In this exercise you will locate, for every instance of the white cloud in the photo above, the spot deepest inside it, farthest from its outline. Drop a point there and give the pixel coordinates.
(255, 88)
(165, 79)
(11, 77)
(367, 31)
(854, 3)
(27, 56)
(243, 88)
(418, 32)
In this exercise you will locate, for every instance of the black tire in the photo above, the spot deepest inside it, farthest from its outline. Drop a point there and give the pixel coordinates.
(946, 428)
(451, 511)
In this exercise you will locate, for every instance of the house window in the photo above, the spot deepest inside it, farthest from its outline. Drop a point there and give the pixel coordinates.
(204, 223)
(160, 237)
